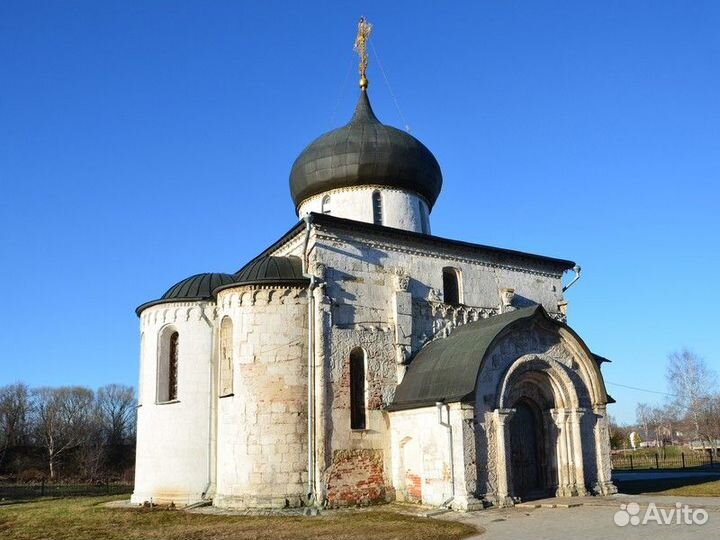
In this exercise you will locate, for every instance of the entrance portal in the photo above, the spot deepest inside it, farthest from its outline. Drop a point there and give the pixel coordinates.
(527, 451)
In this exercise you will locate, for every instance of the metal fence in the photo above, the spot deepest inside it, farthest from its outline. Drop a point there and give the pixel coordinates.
(658, 460)
(33, 490)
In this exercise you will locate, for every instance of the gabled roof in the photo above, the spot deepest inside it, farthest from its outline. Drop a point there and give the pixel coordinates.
(263, 265)
(351, 225)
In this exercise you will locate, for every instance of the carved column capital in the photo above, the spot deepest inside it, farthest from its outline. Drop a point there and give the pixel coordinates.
(575, 415)
(559, 416)
(503, 415)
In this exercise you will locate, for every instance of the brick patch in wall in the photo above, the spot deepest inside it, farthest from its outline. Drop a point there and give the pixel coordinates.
(356, 478)
(413, 483)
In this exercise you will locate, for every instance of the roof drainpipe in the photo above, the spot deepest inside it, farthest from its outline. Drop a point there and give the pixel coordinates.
(440, 406)
(212, 426)
(311, 495)
(577, 271)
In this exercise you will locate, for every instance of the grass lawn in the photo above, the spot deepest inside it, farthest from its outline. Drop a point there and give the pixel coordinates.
(86, 519)
(687, 487)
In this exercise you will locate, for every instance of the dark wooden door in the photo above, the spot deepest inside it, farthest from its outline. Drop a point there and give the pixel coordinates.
(525, 451)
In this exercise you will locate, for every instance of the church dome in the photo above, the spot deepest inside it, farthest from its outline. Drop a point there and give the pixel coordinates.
(365, 152)
(268, 270)
(197, 287)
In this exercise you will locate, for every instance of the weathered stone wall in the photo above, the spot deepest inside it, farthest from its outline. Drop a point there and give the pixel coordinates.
(372, 483)
(262, 442)
(360, 265)
(174, 440)
(378, 293)
(421, 456)
(370, 286)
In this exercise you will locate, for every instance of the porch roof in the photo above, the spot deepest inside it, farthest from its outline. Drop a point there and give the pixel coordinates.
(446, 370)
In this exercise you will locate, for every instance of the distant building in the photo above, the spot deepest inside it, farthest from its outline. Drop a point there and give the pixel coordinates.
(360, 359)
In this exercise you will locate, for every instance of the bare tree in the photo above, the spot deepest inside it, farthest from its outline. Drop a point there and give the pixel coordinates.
(709, 422)
(92, 453)
(692, 382)
(116, 407)
(663, 422)
(14, 410)
(61, 420)
(619, 435)
(644, 417)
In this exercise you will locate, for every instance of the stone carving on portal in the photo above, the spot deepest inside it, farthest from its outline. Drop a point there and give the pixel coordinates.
(490, 448)
(532, 362)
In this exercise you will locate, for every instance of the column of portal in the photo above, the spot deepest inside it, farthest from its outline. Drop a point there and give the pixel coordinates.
(501, 418)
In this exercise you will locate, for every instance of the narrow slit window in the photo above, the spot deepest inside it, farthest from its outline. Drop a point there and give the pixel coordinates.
(167, 365)
(226, 357)
(173, 351)
(377, 208)
(357, 389)
(451, 286)
(423, 218)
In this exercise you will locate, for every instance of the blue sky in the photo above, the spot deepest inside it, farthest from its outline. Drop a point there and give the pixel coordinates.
(143, 142)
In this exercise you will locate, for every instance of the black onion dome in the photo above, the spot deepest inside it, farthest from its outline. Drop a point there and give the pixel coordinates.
(197, 287)
(269, 270)
(365, 152)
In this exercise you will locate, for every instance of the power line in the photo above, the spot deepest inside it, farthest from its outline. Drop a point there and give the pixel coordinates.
(642, 389)
(342, 91)
(387, 83)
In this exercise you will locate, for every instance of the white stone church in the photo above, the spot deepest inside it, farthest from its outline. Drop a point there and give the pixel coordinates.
(360, 359)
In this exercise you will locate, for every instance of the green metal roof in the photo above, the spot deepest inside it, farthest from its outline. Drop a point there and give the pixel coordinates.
(447, 369)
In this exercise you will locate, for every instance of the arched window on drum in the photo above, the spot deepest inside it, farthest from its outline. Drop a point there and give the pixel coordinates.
(168, 365)
(377, 205)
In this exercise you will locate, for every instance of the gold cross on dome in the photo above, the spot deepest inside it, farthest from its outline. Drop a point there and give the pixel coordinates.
(363, 35)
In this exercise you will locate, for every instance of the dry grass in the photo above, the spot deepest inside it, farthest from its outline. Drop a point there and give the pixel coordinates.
(87, 519)
(686, 487)
(705, 489)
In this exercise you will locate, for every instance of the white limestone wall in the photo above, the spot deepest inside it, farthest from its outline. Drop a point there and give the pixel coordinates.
(262, 441)
(361, 274)
(174, 446)
(360, 309)
(420, 456)
(400, 209)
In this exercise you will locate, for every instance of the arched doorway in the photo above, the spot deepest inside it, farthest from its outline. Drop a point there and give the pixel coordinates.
(544, 447)
(528, 451)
